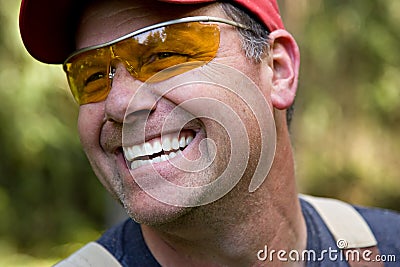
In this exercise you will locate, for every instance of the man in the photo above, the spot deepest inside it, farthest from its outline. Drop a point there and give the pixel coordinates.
(184, 110)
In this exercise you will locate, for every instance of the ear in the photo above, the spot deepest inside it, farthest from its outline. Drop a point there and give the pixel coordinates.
(285, 57)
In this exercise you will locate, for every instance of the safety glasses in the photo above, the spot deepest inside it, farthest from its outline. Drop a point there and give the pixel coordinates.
(145, 52)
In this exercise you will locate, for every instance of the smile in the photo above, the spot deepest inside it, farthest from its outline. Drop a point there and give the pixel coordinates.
(158, 149)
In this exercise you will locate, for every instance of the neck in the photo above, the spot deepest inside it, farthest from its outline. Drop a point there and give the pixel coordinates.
(222, 234)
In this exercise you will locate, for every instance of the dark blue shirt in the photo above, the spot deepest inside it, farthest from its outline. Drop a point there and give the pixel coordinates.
(125, 241)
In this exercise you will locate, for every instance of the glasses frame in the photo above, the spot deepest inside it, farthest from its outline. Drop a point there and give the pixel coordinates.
(106, 45)
(156, 26)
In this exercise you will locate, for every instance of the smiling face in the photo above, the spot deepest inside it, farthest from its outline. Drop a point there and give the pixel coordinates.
(138, 134)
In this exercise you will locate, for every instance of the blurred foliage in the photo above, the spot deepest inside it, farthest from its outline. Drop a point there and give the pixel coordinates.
(48, 194)
(345, 130)
(347, 121)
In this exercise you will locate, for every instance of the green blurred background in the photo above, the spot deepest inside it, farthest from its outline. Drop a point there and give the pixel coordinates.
(345, 130)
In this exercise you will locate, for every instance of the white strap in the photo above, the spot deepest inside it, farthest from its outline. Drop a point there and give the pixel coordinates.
(91, 255)
(347, 226)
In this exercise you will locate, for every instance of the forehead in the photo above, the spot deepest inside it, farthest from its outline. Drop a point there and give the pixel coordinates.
(107, 20)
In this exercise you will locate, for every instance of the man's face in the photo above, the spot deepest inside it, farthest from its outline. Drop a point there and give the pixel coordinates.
(114, 130)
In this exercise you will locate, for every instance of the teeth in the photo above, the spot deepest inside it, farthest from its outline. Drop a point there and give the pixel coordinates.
(164, 157)
(137, 150)
(175, 143)
(137, 163)
(189, 140)
(148, 148)
(157, 147)
(182, 142)
(167, 143)
(128, 153)
(157, 159)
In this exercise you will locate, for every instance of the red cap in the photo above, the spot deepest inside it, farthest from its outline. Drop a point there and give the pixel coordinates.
(47, 26)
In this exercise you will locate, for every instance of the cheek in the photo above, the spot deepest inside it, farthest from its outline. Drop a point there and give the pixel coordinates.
(90, 120)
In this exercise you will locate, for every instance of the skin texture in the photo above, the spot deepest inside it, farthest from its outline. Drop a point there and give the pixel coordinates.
(227, 232)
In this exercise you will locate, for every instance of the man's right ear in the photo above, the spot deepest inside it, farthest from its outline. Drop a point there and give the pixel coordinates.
(285, 60)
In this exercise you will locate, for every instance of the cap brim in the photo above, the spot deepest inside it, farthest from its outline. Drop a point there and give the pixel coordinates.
(47, 28)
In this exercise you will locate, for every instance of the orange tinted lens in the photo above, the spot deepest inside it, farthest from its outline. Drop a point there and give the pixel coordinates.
(144, 55)
(167, 47)
(88, 75)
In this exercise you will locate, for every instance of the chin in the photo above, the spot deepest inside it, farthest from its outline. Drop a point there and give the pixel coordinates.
(144, 209)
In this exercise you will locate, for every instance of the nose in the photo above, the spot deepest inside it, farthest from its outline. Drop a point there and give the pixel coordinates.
(125, 100)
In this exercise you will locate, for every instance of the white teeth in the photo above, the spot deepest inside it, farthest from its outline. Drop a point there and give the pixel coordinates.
(134, 164)
(164, 157)
(167, 143)
(171, 155)
(189, 140)
(182, 142)
(137, 150)
(137, 163)
(157, 147)
(175, 143)
(133, 152)
(128, 154)
(148, 148)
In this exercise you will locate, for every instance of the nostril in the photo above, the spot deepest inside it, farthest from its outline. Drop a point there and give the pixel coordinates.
(132, 116)
(108, 118)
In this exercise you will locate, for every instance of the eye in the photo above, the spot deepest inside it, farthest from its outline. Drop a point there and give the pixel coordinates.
(160, 56)
(163, 55)
(94, 77)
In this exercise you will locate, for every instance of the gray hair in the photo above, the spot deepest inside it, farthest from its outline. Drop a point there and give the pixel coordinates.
(255, 41)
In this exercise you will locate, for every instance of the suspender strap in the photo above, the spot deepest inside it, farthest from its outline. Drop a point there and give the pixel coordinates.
(349, 229)
(91, 255)
(347, 226)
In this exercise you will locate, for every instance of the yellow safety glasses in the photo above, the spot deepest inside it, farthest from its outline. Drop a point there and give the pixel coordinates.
(144, 53)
